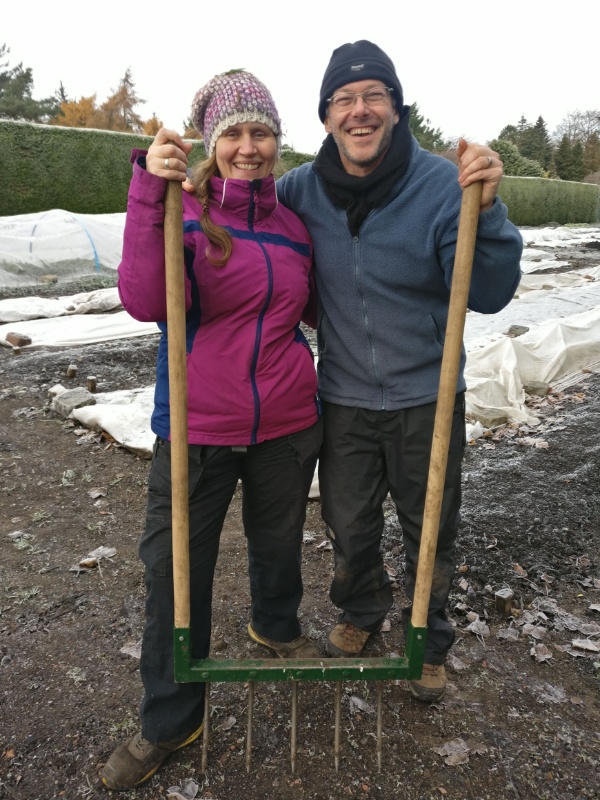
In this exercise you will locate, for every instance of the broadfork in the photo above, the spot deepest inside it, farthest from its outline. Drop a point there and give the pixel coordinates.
(188, 669)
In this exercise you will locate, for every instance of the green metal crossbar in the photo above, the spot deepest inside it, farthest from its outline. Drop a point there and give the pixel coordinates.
(189, 670)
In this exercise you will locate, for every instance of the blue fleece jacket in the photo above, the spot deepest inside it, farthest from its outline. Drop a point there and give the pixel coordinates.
(384, 294)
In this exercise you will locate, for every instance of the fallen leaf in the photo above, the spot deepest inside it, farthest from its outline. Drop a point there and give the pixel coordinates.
(133, 649)
(511, 634)
(96, 493)
(577, 701)
(358, 704)
(187, 791)
(325, 545)
(386, 625)
(534, 630)
(551, 694)
(456, 751)
(456, 663)
(92, 559)
(585, 644)
(540, 652)
(519, 569)
(479, 628)
(227, 724)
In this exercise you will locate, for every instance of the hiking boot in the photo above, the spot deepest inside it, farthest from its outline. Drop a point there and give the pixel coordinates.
(431, 685)
(135, 761)
(346, 640)
(301, 647)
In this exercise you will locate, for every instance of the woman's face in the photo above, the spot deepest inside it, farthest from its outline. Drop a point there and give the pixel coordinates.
(246, 151)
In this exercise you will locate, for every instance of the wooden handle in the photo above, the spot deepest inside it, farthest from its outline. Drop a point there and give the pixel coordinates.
(459, 295)
(176, 337)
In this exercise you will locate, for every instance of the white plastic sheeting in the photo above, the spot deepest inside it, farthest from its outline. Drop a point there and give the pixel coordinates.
(59, 245)
(562, 312)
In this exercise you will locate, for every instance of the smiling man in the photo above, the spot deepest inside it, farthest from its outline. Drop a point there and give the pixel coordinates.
(383, 216)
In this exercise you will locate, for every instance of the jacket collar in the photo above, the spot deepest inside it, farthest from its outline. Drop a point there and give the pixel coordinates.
(236, 196)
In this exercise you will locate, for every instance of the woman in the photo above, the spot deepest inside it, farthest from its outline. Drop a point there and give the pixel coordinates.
(253, 409)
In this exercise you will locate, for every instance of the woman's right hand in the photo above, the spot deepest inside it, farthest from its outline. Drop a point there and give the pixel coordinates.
(167, 155)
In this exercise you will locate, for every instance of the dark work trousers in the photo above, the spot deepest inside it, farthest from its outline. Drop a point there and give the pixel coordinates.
(276, 476)
(365, 455)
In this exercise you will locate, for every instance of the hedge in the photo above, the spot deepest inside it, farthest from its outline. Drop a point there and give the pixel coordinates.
(539, 201)
(43, 167)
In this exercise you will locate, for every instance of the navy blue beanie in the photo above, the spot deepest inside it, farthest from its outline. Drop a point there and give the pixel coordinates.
(357, 62)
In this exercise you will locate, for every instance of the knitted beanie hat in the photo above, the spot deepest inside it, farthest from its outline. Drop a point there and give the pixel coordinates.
(358, 61)
(229, 99)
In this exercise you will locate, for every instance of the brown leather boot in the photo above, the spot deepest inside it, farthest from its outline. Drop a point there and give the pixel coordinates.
(346, 640)
(431, 686)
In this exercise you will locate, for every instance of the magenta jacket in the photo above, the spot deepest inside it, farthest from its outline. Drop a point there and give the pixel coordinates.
(251, 375)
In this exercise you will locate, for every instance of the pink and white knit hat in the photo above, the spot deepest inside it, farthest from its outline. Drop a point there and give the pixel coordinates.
(228, 99)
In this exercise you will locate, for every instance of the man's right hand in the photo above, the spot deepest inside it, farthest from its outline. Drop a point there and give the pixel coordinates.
(167, 157)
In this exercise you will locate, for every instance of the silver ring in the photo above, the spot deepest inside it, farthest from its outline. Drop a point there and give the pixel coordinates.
(489, 158)
(166, 163)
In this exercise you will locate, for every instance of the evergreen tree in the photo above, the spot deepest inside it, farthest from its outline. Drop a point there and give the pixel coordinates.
(514, 163)
(563, 159)
(522, 127)
(509, 134)
(61, 94)
(578, 170)
(16, 99)
(429, 138)
(535, 143)
(591, 154)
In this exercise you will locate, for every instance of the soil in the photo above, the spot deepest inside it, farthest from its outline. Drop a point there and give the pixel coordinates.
(521, 717)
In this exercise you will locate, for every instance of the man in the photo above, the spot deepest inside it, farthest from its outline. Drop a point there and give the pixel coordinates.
(383, 215)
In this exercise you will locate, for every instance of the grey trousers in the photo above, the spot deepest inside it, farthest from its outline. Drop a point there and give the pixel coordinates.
(365, 455)
(276, 476)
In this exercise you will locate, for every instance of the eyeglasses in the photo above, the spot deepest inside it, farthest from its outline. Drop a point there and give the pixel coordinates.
(371, 97)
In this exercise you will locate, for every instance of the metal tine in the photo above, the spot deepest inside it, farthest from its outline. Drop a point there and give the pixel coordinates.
(206, 726)
(338, 714)
(249, 729)
(379, 722)
(293, 735)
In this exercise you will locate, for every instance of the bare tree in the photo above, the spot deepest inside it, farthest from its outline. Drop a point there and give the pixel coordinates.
(578, 126)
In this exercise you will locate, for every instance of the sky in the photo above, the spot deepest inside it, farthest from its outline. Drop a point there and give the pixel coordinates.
(472, 67)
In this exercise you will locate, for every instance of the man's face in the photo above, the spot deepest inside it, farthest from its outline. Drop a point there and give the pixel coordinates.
(363, 131)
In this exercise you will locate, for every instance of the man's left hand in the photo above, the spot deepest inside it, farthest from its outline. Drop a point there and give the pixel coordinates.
(477, 162)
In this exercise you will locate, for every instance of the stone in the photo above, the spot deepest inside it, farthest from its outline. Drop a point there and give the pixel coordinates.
(65, 402)
(516, 330)
(18, 339)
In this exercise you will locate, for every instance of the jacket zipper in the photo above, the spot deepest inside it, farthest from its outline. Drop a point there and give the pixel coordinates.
(366, 323)
(254, 201)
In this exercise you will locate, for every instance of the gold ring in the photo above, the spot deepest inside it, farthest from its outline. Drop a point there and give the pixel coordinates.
(489, 161)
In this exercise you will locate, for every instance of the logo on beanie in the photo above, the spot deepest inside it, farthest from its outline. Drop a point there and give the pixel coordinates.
(357, 67)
